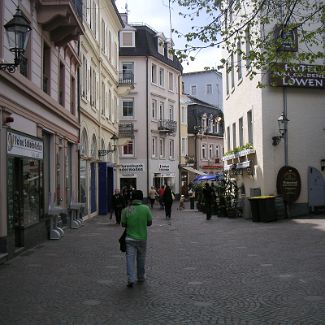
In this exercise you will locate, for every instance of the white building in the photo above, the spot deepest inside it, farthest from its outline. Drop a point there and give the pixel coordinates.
(151, 157)
(204, 85)
(251, 119)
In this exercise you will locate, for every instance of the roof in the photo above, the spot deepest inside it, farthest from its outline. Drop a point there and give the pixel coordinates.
(197, 101)
(117, 13)
(202, 72)
(147, 45)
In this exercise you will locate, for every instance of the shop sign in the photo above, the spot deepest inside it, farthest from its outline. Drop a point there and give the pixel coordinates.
(130, 168)
(164, 168)
(212, 167)
(288, 183)
(24, 145)
(297, 75)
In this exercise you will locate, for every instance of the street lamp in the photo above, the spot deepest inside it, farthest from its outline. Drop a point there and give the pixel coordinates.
(18, 31)
(101, 153)
(283, 126)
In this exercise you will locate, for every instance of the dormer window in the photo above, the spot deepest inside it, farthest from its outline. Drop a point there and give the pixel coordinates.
(127, 39)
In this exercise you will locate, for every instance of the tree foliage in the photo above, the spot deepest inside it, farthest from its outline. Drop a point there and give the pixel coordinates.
(255, 29)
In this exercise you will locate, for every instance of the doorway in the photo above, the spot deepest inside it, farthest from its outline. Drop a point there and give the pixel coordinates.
(24, 196)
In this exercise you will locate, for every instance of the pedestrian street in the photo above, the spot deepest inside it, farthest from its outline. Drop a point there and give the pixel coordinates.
(218, 271)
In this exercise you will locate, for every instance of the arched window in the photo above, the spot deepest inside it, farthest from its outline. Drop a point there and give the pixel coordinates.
(94, 147)
(84, 143)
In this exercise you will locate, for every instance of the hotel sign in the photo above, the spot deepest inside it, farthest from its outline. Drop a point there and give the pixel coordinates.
(297, 75)
(24, 145)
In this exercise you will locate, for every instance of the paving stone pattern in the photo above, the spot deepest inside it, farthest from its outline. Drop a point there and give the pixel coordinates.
(221, 271)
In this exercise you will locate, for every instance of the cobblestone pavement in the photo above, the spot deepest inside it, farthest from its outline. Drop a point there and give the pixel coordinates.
(222, 271)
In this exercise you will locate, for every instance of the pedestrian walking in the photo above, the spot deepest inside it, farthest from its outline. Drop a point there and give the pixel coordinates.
(208, 199)
(191, 194)
(136, 218)
(117, 205)
(168, 198)
(161, 196)
(152, 196)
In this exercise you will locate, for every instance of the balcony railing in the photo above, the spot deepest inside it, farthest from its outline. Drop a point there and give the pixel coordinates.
(126, 130)
(126, 78)
(168, 126)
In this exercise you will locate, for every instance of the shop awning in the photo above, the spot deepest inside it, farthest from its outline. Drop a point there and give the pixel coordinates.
(193, 170)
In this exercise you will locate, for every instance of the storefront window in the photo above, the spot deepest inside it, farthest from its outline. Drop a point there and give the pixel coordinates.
(31, 191)
(24, 192)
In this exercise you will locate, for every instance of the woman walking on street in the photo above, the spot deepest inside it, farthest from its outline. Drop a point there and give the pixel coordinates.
(152, 196)
(168, 201)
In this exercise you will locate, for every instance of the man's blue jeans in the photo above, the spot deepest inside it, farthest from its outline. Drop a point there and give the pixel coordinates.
(135, 251)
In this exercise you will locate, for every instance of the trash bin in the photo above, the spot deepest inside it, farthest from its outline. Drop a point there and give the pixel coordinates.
(263, 208)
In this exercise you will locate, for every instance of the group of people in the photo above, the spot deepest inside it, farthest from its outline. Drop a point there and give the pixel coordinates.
(165, 196)
(120, 201)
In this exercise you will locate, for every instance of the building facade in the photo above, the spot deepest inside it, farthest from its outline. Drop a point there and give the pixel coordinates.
(205, 86)
(40, 123)
(205, 138)
(152, 108)
(260, 157)
(99, 103)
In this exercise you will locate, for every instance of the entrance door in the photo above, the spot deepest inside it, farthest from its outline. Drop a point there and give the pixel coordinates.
(316, 188)
(24, 196)
(128, 183)
(93, 190)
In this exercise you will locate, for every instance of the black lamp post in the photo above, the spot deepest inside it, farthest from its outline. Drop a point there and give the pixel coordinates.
(18, 31)
(101, 153)
(283, 126)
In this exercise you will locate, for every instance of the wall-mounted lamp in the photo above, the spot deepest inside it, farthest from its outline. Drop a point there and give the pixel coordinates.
(101, 153)
(322, 164)
(18, 31)
(283, 126)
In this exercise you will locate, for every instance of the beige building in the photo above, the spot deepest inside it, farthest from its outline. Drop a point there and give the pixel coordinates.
(257, 149)
(99, 105)
(40, 123)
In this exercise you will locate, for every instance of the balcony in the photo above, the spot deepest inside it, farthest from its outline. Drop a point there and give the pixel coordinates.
(167, 126)
(126, 130)
(125, 83)
(61, 18)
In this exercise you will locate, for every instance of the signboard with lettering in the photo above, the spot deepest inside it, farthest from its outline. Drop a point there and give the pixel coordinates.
(131, 168)
(164, 168)
(297, 75)
(24, 145)
(288, 183)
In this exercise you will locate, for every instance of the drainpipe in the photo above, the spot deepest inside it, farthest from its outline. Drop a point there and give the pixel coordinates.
(147, 121)
(79, 120)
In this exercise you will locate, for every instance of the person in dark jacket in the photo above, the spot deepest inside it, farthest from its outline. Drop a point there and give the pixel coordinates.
(118, 204)
(168, 201)
(208, 197)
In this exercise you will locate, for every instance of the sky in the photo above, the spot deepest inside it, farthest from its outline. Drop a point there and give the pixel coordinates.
(155, 13)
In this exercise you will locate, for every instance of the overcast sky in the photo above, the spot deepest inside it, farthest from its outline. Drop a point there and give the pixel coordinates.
(155, 13)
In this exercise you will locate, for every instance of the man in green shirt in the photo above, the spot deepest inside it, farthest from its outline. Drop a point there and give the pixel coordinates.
(136, 218)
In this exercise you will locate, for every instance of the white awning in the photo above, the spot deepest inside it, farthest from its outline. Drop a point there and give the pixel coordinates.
(193, 170)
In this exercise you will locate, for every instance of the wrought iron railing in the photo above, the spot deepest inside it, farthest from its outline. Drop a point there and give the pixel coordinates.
(126, 78)
(126, 130)
(167, 126)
